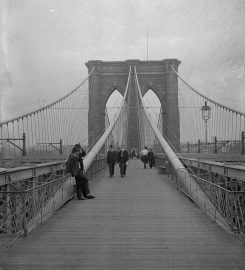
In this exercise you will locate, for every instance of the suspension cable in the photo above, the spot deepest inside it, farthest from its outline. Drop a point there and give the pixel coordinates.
(53, 103)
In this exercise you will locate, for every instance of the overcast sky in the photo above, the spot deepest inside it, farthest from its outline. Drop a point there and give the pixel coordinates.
(45, 44)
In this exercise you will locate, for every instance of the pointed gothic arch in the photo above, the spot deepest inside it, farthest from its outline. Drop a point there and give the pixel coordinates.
(156, 75)
(113, 102)
(154, 104)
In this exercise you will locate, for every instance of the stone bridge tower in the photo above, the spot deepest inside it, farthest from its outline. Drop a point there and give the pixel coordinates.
(154, 75)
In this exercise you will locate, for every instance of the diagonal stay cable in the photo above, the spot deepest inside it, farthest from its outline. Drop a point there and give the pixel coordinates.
(95, 150)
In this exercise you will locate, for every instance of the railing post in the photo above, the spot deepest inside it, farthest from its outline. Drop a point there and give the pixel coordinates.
(198, 146)
(196, 189)
(24, 145)
(177, 180)
(24, 214)
(215, 145)
(41, 198)
(54, 198)
(190, 186)
(8, 210)
(61, 145)
(242, 143)
(188, 147)
(205, 204)
(226, 207)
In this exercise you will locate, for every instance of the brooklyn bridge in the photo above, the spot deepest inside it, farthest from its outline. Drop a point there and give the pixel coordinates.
(185, 213)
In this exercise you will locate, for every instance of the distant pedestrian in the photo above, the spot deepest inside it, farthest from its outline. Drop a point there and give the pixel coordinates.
(111, 160)
(151, 158)
(74, 165)
(144, 156)
(167, 166)
(122, 157)
(118, 150)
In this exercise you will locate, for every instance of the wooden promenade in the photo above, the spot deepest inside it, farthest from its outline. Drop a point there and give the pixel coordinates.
(137, 222)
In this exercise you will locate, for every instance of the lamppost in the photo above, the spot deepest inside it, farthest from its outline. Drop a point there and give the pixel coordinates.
(206, 112)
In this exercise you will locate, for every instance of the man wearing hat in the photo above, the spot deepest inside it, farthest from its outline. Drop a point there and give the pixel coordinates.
(122, 158)
(111, 160)
(76, 168)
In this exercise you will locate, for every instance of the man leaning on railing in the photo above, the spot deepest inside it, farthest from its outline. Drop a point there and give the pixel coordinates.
(74, 165)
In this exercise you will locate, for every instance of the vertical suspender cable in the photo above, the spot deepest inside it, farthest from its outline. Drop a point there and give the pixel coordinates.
(32, 133)
(27, 135)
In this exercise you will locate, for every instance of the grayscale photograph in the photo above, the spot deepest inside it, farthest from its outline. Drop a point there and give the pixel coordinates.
(122, 134)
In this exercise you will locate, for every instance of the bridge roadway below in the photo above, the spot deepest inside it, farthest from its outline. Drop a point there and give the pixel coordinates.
(138, 222)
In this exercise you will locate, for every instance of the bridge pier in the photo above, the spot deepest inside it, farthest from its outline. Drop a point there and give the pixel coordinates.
(154, 75)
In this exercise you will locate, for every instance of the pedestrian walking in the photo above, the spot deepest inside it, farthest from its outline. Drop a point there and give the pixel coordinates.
(111, 160)
(151, 158)
(118, 150)
(144, 156)
(74, 165)
(122, 157)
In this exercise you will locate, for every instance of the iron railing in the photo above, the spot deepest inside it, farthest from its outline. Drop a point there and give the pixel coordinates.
(27, 201)
(227, 203)
(227, 198)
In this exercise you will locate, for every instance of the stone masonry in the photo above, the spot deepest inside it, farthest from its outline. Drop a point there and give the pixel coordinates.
(156, 75)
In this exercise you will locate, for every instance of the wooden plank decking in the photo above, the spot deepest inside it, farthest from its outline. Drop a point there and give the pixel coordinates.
(137, 222)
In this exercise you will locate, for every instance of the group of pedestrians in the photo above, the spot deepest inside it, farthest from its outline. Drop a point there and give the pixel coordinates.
(74, 166)
(120, 156)
(147, 157)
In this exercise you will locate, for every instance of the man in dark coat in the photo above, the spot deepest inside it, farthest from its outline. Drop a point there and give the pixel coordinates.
(111, 160)
(122, 158)
(151, 158)
(76, 169)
